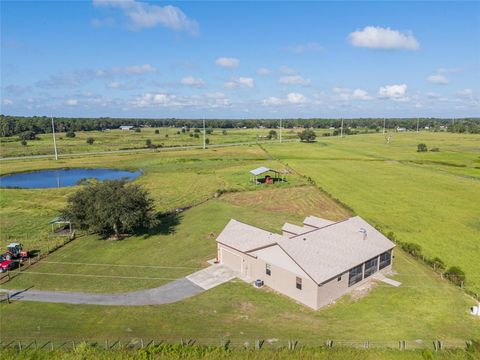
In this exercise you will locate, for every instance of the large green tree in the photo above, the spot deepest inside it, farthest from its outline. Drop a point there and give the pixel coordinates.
(111, 208)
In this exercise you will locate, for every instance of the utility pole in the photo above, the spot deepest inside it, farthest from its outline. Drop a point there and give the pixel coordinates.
(341, 129)
(204, 134)
(417, 125)
(54, 141)
(384, 126)
(281, 131)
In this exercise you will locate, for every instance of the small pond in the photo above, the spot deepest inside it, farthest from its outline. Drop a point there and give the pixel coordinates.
(43, 179)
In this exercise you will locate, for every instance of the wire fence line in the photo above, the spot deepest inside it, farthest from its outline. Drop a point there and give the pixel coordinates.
(252, 343)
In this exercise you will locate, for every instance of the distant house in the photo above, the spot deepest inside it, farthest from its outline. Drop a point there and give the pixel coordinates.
(126, 127)
(401, 129)
(314, 264)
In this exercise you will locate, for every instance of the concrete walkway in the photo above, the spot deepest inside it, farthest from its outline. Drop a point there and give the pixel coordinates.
(174, 291)
(383, 278)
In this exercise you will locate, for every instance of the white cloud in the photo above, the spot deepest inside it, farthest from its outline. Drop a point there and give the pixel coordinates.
(71, 102)
(144, 15)
(291, 98)
(227, 62)
(80, 77)
(134, 69)
(296, 98)
(376, 37)
(438, 79)
(264, 71)
(302, 48)
(107, 22)
(114, 85)
(272, 101)
(342, 93)
(191, 81)
(287, 70)
(393, 92)
(294, 80)
(466, 93)
(360, 94)
(7, 102)
(449, 70)
(240, 82)
(209, 100)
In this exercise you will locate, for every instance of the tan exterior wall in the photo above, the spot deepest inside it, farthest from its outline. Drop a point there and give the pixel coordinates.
(281, 280)
(335, 289)
(284, 281)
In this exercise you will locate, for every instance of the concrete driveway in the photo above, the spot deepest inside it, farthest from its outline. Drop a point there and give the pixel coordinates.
(173, 291)
(212, 276)
(177, 290)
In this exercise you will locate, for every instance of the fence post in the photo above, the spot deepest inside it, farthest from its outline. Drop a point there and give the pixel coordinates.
(366, 344)
(51, 343)
(141, 342)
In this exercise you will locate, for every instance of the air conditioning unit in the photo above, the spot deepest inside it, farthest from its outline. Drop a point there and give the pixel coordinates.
(258, 283)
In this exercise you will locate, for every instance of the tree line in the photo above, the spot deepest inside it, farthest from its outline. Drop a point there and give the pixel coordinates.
(16, 125)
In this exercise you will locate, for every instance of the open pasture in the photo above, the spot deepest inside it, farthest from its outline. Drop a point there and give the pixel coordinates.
(117, 139)
(430, 199)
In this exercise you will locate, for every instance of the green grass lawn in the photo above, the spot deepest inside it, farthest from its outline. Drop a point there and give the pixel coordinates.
(431, 199)
(382, 183)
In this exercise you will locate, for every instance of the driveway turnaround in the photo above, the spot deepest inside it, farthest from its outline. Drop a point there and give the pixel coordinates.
(174, 291)
(212, 276)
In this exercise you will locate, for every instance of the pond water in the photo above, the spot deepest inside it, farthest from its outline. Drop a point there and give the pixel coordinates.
(43, 179)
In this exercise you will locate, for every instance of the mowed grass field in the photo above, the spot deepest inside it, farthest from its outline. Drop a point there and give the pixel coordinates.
(431, 199)
(422, 309)
(117, 139)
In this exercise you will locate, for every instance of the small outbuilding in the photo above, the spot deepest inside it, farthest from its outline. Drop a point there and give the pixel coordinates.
(61, 226)
(126, 127)
(258, 178)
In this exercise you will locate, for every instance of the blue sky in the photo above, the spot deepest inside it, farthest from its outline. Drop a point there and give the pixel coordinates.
(240, 59)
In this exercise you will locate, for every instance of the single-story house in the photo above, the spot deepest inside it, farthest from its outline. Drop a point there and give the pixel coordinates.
(126, 127)
(314, 264)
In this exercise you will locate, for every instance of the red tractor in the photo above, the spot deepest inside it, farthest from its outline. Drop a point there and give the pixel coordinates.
(6, 264)
(15, 252)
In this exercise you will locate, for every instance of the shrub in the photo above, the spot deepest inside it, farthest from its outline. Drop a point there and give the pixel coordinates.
(23, 142)
(435, 149)
(422, 147)
(455, 275)
(183, 130)
(272, 134)
(191, 135)
(148, 143)
(70, 134)
(137, 130)
(157, 131)
(209, 131)
(196, 135)
(27, 135)
(438, 263)
(196, 130)
(412, 248)
(391, 235)
(224, 132)
(307, 135)
(90, 140)
(207, 141)
(178, 132)
(166, 135)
